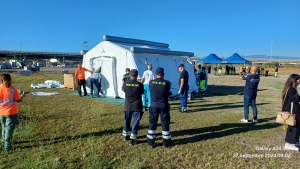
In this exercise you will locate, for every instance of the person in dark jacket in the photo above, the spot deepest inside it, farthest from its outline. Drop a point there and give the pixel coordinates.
(133, 106)
(290, 96)
(250, 93)
(202, 80)
(160, 91)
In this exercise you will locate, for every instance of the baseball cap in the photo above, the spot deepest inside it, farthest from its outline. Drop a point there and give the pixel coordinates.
(127, 69)
(134, 72)
(181, 65)
(160, 70)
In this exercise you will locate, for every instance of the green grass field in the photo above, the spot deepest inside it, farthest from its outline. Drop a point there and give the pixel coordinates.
(66, 131)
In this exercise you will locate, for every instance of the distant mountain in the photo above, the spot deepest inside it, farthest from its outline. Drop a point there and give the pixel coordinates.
(268, 57)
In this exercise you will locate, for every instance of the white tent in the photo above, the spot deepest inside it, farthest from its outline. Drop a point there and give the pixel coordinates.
(115, 54)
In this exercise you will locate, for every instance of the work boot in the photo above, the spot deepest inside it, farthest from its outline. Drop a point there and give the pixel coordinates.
(132, 142)
(126, 138)
(166, 143)
(10, 148)
(151, 142)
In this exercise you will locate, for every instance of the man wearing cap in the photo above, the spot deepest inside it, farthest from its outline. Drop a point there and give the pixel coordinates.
(147, 76)
(183, 87)
(160, 91)
(133, 106)
(80, 77)
(125, 77)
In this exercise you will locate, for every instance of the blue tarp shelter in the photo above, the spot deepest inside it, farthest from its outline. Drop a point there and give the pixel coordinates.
(236, 59)
(210, 59)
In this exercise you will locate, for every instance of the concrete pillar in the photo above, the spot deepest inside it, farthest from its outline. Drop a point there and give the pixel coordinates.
(63, 60)
(25, 60)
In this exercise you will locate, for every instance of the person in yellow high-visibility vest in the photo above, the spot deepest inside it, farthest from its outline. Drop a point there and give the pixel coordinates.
(276, 72)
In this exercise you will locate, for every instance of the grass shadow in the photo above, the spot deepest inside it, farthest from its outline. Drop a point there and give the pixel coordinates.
(51, 141)
(222, 130)
(217, 107)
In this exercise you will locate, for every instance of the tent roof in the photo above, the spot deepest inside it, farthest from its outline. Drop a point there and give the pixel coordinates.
(236, 59)
(142, 46)
(212, 58)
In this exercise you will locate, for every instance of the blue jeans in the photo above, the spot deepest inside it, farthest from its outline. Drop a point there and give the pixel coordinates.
(215, 72)
(83, 84)
(135, 123)
(252, 101)
(146, 95)
(184, 96)
(8, 124)
(97, 85)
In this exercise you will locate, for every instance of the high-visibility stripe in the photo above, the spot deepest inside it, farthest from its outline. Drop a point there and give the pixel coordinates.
(166, 135)
(165, 132)
(151, 136)
(133, 136)
(4, 100)
(125, 133)
(11, 100)
(151, 131)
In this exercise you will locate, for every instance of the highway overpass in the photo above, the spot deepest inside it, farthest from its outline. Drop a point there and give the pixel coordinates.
(41, 55)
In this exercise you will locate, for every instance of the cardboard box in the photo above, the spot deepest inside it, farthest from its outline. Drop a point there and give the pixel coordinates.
(69, 81)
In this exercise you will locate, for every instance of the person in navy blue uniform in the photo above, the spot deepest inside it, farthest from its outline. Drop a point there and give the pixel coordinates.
(183, 87)
(160, 91)
(250, 93)
(133, 106)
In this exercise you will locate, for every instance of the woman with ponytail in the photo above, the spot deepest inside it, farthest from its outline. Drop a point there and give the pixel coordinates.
(9, 97)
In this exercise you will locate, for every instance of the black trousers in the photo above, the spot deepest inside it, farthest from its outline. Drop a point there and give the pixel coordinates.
(83, 84)
(293, 132)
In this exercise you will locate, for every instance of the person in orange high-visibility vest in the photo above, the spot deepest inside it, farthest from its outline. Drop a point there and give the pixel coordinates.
(9, 99)
(80, 77)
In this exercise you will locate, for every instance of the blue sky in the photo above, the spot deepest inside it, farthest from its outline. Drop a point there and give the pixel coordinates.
(222, 27)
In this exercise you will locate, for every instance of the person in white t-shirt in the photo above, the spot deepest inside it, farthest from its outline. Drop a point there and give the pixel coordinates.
(147, 76)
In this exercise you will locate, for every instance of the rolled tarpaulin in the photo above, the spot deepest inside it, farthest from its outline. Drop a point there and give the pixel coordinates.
(134, 41)
(162, 52)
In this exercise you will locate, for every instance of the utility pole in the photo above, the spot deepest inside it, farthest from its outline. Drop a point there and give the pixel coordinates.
(271, 50)
(20, 50)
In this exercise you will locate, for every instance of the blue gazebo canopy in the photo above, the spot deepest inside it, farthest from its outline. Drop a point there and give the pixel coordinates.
(210, 59)
(236, 59)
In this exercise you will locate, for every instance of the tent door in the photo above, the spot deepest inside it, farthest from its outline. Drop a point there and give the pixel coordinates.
(108, 72)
